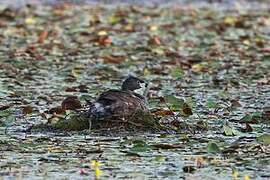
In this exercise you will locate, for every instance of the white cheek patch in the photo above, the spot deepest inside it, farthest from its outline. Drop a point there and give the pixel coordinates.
(99, 107)
(143, 85)
(141, 90)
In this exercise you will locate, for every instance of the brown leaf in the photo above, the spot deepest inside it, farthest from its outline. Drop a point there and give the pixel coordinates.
(33, 52)
(168, 26)
(7, 14)
(199, 161)
(201, 125)
(266, 113)
(71, 103)
(155, 40)
(162, 100)
(9, 68)
(113, 59)
(4, 107)
(71, 89)
(83, 88)
(163, 113)
(235, 103)
(94, 20)
(13, 95)
(31, 49)
(42, 36)
(129, 28)
(198, 68)
(80, 88)
(44, 115)
(189, 169)
(265, 50)
(27, 109)
(167, 146)
(176, 124)
(105, 40)
(2, 25)
(247, 128)
(187, 111)
(170, 53)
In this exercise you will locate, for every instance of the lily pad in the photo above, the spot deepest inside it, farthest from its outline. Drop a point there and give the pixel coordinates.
(213, 148)
(265, 139)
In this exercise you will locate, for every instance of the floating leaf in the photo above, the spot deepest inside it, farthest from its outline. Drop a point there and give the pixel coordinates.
(266, 114)
(190, 102)
(189, 169)
(175, 103)
(153, 103)
(253, 118)
(163, 112)
(129, 28)
(153, 28)
(265, 139)
(30, 20)
(167, 146)
(197, 68)
(71, 103)
(139, 146)
(102, 33)
(105, 40)
(83, 172)
(177, 73)
(27, 109)
(213, 148)
(113, 59)
(42, 36)
(113, 20)
(199, 161)
(158, 51)
(186, 110)
(211, 103)
(229, 20)
(235, 103)
(229, 131)
(155, 40)
(8, 121)
(2, 108)
(159, 158)
(246, 42)
(247, 128)
(247, 118)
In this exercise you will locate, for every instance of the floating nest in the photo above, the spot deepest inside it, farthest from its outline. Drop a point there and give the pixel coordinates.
(140, 121)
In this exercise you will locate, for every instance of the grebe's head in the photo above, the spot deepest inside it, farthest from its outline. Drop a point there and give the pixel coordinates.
(133, 83)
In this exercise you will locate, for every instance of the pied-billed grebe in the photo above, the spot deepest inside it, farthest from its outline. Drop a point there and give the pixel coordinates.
(120, 103)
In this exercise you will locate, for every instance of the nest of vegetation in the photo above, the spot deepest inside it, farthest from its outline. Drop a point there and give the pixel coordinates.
(139, 121)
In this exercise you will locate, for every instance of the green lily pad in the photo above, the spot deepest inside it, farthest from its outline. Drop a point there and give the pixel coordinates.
(265, 139)
(174, 102)
(211, 103)
(213, 148)
(177, 73)
(229, 131)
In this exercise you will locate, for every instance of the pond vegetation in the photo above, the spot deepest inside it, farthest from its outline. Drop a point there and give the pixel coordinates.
(209, 96)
